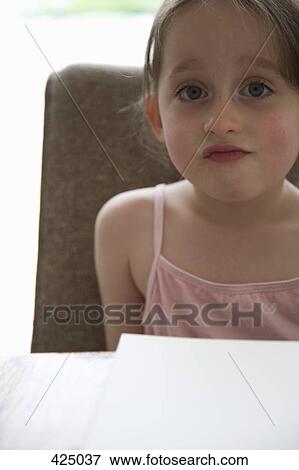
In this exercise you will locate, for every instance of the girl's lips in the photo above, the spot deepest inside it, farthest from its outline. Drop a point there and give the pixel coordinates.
(223, 148)
(225, 157)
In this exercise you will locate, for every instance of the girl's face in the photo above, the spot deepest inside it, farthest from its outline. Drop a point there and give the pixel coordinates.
(262, 118)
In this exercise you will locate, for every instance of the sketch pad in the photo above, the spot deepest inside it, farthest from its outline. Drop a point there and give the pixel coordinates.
(192, 393)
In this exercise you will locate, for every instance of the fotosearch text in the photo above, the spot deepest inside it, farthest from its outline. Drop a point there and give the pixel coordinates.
(211, 314)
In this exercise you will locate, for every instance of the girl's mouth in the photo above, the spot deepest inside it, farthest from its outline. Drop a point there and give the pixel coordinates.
(226, 157)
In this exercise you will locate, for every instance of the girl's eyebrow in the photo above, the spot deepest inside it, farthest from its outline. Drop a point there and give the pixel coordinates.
(193, 64)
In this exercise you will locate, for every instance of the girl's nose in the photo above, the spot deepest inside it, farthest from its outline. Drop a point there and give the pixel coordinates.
(224, 120)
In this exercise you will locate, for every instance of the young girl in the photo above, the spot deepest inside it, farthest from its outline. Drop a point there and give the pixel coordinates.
(216, 254)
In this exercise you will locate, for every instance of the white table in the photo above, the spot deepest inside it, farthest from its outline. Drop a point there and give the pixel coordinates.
(48, 399)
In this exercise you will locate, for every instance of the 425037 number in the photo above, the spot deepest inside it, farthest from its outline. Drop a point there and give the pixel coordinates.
(76, 459)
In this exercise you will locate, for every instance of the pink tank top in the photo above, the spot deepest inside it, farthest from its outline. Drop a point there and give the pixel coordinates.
(180, 304)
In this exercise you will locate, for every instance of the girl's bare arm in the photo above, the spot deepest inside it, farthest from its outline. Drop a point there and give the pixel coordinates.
(116, 286)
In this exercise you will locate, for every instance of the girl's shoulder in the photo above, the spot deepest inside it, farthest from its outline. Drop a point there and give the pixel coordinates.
(135, 210)
(129, 211)
(135, 201)
(121, 225)
(127, 201)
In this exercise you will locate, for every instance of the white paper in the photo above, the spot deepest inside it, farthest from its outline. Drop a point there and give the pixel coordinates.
(192, 393)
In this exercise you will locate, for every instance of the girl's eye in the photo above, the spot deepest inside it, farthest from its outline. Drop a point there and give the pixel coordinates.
(193, 91)
(256, 88)
(190, 90)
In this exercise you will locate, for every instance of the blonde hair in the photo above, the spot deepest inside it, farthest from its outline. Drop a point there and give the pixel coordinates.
(282, 14)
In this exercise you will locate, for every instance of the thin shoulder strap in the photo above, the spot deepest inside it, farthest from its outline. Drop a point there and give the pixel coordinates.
(158, 217)
(158, 235)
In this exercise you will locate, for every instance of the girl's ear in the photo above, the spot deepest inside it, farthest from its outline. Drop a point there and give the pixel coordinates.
(153, 115)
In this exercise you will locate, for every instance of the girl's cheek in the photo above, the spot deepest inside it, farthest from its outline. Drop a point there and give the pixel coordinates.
(276, 139)
(180, 145)
(279, 128)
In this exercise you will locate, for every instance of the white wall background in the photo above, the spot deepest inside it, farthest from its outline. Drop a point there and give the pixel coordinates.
(24, 72)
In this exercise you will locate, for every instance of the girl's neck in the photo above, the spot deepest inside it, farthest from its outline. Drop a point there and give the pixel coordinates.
(274, 207)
